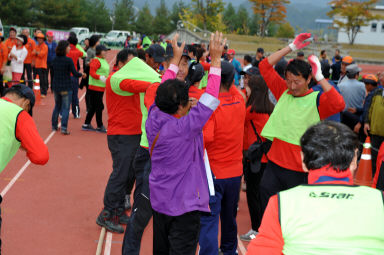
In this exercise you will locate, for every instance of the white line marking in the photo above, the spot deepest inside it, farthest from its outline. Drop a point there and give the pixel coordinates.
(108, 244)
(241, 246)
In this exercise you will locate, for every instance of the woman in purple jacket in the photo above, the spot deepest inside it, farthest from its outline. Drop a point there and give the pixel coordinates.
(178, 180)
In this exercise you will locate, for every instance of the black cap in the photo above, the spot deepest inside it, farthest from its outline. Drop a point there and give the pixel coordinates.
(23, 91)
(100, 48)
(300, 54)
(157, 52)
(227, 72)
(261, 50)
(195, 73)
(251, 71)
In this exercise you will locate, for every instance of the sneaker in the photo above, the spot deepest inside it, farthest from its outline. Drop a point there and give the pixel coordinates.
(101, 129)
(54, 129)
(249, 236)
(127, 202)
(77, 116)
(123, 218)
(110, 221)
(87, 127)
(65, 132)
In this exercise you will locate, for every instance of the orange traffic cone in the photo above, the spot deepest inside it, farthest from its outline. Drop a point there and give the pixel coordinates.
(36, 90)
(364, 171)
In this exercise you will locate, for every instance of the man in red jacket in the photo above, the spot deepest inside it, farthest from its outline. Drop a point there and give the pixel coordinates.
(298, 107)
(329, 215)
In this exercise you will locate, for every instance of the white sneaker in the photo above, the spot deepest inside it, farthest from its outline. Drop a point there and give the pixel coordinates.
(249, 236)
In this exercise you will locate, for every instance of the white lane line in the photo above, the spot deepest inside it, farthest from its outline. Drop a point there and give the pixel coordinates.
(108, 244)
(22, 169)
(241, 246)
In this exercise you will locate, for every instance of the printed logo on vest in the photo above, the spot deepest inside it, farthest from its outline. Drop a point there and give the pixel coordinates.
(331, 195)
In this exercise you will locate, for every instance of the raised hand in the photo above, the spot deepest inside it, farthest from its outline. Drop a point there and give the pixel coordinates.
(299, 43)
(316, 67)
(216, 48)
(177, 50)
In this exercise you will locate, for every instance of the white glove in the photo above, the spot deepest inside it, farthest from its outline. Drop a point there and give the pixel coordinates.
(103, 78)
(316, 67)
(300, 42)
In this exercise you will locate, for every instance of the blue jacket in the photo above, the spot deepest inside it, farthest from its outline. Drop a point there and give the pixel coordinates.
(238, 69)
(335, 117)
(51, 51)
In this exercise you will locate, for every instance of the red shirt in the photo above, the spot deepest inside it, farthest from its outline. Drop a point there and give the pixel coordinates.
(124, 113)
(259, 120)
(74, 54)
(26, 133)
(223, 135)
(285, 154)
(94, 65)
(270, 238)
(379, 162)
(195, 92)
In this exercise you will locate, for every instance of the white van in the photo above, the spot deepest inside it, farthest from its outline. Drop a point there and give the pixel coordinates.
(81, 33)
(115, 37)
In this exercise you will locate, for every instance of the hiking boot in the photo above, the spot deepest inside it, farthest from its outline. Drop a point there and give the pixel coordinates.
(249, 236)
(87, 127)
(110, 221)
(123, 218)
(101, 129)
(127, 202)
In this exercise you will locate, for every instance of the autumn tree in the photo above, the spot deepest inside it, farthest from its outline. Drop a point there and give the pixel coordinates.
(351, 15)
(285, 30)
(205, 14)
(269, 11)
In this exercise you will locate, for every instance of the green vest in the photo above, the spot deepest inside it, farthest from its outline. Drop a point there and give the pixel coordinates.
(376, 113)
(291, 117)
(9, 145)
(136, 69)
(103, 70)
(204, 81)
(332, 220)
(164, 45)
(78, 46)
(146, 43)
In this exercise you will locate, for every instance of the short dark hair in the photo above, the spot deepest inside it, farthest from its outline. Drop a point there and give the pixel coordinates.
(325, 67)
(329, 143)
(338, 57)
(72, 40)
(170, 95)
(322, 52)
(248, 58)
(227, 74)
(352, 75)
(61, 49)
(93, 40)
(299, 67)
(199, 54)
(141, 54)
(122, 56)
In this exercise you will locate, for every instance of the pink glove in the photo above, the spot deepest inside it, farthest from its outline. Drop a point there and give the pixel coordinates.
(299, 43)
(316, 67)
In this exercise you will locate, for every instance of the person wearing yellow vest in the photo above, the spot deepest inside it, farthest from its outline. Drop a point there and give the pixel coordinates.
(98, 73)
(297, 108)
(329, 215)
(17, 128)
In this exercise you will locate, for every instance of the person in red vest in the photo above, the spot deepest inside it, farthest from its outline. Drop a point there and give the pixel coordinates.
(329, 215)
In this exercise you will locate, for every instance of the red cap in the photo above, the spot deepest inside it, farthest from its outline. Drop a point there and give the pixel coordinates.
(231, 51)
(49, 33)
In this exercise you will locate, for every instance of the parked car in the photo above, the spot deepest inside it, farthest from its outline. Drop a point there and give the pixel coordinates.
(81, 33)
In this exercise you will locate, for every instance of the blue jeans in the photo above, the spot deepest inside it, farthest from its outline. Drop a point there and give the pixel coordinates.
(223, 205)
(62, 102)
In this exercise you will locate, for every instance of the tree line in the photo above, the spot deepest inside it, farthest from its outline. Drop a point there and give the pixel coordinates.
(266, 19)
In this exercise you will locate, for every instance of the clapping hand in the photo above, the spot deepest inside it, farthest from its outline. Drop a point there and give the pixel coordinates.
(177, 50)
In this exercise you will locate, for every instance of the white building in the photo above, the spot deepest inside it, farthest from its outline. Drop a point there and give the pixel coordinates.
(373, 34)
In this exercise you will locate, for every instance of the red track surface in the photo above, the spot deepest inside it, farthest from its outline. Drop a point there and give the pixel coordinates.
(52, 209)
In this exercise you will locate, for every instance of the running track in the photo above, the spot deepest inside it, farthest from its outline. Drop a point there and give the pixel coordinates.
(52, 209)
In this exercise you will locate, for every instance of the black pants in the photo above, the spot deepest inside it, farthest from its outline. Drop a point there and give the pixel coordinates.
(43, 77)
(27, 75)
(96, 106)
(276, 179)
(123, 149)
(376, 141)
(175, 235)
(1, 85)
(253, 195)
(141, 209)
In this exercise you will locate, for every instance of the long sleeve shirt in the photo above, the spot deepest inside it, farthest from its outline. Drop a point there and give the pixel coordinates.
(17, 64)
(63, 67)
(285, 154)
(41, 56)
(30, 46)
(27, 134)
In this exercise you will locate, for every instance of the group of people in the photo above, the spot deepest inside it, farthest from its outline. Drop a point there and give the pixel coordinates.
(186, 122)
